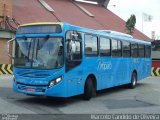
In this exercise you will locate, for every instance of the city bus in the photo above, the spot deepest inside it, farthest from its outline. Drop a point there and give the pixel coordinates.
(63, 60)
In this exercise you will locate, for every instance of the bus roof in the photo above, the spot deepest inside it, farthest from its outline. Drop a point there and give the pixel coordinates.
(112, 35)
(41, 23)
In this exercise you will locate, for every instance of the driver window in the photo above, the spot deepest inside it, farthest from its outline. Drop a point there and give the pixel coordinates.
(73, 49)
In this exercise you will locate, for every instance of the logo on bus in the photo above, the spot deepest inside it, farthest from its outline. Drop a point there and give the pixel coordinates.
(104, 65)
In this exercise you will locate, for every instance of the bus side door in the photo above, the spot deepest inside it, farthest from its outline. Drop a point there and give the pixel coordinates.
(74, 71)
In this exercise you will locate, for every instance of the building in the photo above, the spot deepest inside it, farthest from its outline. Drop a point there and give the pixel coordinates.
(6, 30)
(94, 16)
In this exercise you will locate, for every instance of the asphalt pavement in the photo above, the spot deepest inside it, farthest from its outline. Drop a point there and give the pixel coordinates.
(145, 98)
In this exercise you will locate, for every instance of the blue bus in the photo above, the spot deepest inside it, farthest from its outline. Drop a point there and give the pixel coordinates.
(64, 60)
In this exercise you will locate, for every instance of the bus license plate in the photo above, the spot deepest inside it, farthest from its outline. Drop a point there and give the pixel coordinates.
(31, 89)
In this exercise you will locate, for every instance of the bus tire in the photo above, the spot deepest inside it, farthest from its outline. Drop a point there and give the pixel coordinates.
(133, 83)
(88, 90)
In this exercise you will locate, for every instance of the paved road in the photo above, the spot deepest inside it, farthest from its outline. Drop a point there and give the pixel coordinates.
(145, 98)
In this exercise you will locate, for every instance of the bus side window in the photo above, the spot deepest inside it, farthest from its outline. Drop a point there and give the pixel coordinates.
(141, 51)
(73, 49)
(148, 51)
(116, 48)
(134, 48)
(105, 48)
(91, 45)
(126, 49)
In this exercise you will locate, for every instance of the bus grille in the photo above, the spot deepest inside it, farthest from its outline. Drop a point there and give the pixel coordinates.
(33, 74)
(38, 89)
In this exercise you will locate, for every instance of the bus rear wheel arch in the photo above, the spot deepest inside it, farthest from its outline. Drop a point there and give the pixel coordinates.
(90, 87)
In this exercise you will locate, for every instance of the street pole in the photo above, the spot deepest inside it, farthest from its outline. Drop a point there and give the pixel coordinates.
(142, 22)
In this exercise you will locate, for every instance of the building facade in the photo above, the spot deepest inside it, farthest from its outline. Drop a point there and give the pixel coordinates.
(14, 12)
(6, 33)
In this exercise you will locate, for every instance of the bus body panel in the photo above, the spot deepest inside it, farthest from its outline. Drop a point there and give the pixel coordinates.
(38, 84)
(58, 90)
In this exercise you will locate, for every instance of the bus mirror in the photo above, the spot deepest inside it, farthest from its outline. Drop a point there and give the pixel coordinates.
(9, 47)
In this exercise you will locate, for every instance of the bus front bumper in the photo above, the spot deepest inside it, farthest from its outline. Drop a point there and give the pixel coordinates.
(57, 90)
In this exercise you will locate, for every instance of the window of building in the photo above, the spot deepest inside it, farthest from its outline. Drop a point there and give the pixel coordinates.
(156, 50)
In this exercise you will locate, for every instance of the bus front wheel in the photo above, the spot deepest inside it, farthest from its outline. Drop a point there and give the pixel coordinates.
(89, 89)
(133, 83)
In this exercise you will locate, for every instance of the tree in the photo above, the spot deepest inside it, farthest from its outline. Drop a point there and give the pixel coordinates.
(130, 24)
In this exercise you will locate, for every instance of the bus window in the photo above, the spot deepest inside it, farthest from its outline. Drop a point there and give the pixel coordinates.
(134, 48)
(148, 51)
(116, 48)
(141, 51)
(126, 49)
(73, 49)
(39, 52)
(105, 47)
(91, 45)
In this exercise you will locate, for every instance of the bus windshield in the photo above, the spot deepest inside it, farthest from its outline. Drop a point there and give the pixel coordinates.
(39, 52)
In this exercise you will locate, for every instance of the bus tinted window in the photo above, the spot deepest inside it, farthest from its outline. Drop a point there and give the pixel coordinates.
(134, 48)
(105, 47)
(148, 51)
(91, 45)
(141, 51)
(126, 49)
(73, 49)
(116, 48)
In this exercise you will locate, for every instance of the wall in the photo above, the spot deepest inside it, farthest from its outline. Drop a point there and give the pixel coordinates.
(4, 59)
(8, 7)
(5, 10)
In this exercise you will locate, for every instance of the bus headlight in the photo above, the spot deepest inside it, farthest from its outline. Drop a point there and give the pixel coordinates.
(55, 81)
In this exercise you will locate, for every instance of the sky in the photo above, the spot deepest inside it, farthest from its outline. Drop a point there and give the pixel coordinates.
(124, 9)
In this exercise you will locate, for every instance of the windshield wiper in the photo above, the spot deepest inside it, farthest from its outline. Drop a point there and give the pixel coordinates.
(33, 42)
(29, 50)
(25, 38)
(38, 47)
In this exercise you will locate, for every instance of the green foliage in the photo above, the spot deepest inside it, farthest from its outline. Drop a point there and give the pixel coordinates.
(130, 24)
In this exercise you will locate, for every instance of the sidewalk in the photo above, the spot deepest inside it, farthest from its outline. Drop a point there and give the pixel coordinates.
(3, 77)
(6, 81)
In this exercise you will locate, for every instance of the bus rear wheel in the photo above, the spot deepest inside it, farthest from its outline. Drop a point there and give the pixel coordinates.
(89, 89)
(133, 83)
